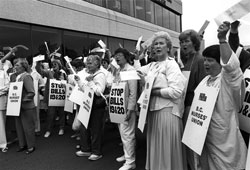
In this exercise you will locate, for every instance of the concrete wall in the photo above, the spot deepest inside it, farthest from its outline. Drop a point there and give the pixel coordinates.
(80, 16)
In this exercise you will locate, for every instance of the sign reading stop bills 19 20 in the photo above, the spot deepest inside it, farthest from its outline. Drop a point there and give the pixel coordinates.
(117, 103)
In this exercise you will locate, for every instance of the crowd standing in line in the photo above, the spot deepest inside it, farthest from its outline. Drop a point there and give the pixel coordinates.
(219, 66)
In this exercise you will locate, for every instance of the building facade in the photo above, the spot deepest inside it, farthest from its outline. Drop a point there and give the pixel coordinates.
(76, 25)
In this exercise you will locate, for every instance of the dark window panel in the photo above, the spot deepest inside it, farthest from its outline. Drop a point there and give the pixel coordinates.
(172, 21)
(51, 36)
(150, 14)
(75, 44)
(113, 44)
(166, 18)
(140, 9)
(158, 15)
(114, 5)
(128, 7)
(12, 34)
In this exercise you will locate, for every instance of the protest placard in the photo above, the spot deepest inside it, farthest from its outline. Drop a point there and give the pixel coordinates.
(129, 75)
(57, 93)
(38, 58)
(117, 108)
(234, 13)
(144, 102)
(138, 44)
(77, 95)
(86, 106)
(199, 118)
(69, 105)
(244, 113)
(14, 99)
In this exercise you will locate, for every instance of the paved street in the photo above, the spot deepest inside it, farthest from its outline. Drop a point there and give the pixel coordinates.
(58, 153)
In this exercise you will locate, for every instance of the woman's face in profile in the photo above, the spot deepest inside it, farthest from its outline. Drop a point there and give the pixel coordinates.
(18, 68)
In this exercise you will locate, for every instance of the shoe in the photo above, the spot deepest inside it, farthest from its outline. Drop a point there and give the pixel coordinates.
(128, 166)
(30, 150)
(120, 159)
(61, 132)
(21, 149)
(5, 149)
(94, 157)
(78, 146)
(47, 134)
(81, 153)
(57, 118)
(74, 135)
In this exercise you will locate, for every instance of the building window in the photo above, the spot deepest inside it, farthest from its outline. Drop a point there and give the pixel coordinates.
(40, 35)
(128, 7)
(114, 5)
(172, 21)
(96, 2)
(178, 23)
(140, 9)
(150, 15)
(166, 18)
(114, 43)
(12, 34)
(158, 15)
(75, 44)
(129, 45)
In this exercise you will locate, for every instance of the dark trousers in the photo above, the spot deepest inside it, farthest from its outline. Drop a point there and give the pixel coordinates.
(91, 138)
(52, 111)
(25, 127)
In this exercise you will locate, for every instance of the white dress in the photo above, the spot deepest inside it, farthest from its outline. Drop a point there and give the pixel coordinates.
(224, 147)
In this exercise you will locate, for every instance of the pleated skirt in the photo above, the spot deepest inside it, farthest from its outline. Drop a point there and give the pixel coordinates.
(164, 148)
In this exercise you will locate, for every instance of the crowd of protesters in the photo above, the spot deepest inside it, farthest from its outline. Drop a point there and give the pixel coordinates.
(219, 66)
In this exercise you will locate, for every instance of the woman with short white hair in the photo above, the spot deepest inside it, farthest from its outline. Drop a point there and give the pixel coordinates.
(164, 118)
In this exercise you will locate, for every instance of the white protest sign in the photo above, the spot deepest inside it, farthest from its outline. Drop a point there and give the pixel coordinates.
(199, 118)
(244, 113)
(14, 99)
(138, 44)
(86, 106)
(203, 28)
(69, 105)
(117, 108)
(77, 95)
(70, 66)
(144, 102)
(57, 93)
(102, 44)
(129, 75)
(148, 42)
(234, 13)
(36, 97)
(38, 58)
(114, 63)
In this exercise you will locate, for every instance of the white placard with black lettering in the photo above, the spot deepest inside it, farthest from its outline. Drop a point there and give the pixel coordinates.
(14, 99)
(57, 93)
(117, 108)
(144, 102)
(86, 106)
(199, 118)
(244, 113)
(69, 105)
